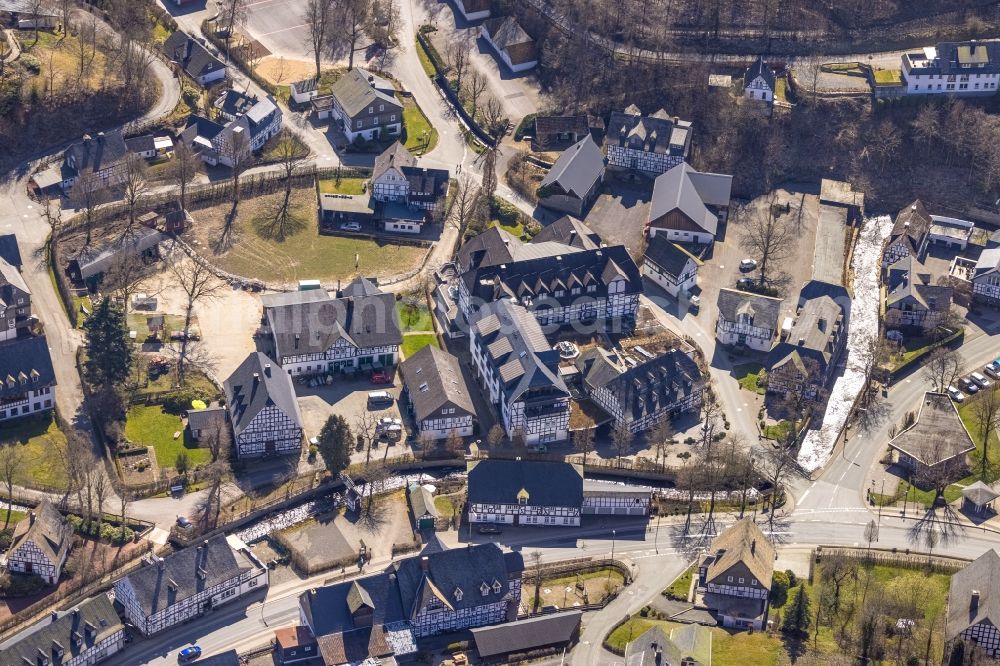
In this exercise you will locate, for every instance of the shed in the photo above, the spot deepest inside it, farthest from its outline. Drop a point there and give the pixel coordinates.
(978, 498)
(556, 630)
(425, 514)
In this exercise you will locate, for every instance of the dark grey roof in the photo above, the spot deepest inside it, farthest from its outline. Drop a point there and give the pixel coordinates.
(355, 94)
(434, 380)
(938, 434)
(964, 610)
(689, 644)
(91, 622)
(979, 493)
(497, 481)
(682, 188)
(545, 125)
(364, 315)
(952, 55)
(515, 345)
(912, 223)
(764, 310)
(234, 103)
(227, 658)
(183, 574)
(812, 335)
(569, 231)
(198, 126)
(577, 170)
(304, 86)
(294, 298)
(507, 34)
(95, 153)
(9, 251)
(490, 248)
(426, 184)
(25, 365)
(140, 144)
(396, 155)
(667, 255)
(657, 133)
(190, 55)
(759, 68)
(203, 419)
(328, 609)
(831, 245)
(909, 281)
(527, 634)
(742, 543)
(258, 383)
(46, 529)
(94, 260)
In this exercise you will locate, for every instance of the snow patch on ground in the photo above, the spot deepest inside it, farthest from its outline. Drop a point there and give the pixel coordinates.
(865, 266)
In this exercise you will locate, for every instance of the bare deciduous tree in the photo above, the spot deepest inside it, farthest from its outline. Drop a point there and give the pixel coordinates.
(231, 14)
(88, 193)
(458, 58)
(942, 368)
(317, 17)
(986, 414)
(11, 462)
(199, 285)
(353, 19)
(477, 85)
(583, 439)
(183, 168)
(136, 185)
(766, 235)
(621, 439)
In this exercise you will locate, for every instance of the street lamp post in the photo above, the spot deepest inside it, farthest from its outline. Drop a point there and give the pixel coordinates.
(656, 538)
(612, 553)
(882, 494)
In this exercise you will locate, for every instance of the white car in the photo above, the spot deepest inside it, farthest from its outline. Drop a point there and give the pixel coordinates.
(350, 226)
(955, 394)
(748, 264)
(980, 380)
(992, 371)
(695, 300)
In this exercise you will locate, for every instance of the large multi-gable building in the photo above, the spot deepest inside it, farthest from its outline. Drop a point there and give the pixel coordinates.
(381, 616)
(953, 68)
(519, 371)
(573, 182)
(103, 155)
(641, 393)
(362, 109)
(651, 144)
(27, 379)
(250, 124)
(568, 230)
(188, 583)
(736, 575)
(747, 320)
(974, 605)
(314, 334)
(82, 636)
(398, 181)
(687, 205)
(519, 492)
(560, 284)
(40, 544)
(262, 408)
(15, 302)
(912, 302)
(804, 361)
(437, 394)
(936, 446)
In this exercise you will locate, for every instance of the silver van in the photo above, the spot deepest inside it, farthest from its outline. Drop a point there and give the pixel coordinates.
(379, 399)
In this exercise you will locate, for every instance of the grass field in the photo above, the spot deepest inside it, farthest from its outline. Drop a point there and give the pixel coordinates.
(779, 431)
(343, 186)
(414, 318)
(64, 52)
(414, 343)
(425, 60)
(679, 588)
(749, 375)
(43, 450)
(419, 136)
(742, 648)
(194, 381)
(151, 426)
(252, 248)
(11, 517)
(888, 77)
(967, 411)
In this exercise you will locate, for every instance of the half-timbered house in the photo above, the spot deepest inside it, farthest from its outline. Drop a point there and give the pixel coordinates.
(188, 583)
(262, 408)
(986, 274)
(27, 379)
(519, 371)
(15, 302)
(522, 492)
(314, 334)
(40, 544)
(397, 179)
(747, 320)
(805, 359)
(437, 394)
(974, 605)
(912, 301)
(647, 144)
(640, 395)
(909, 234)
(670, 266)
(604, 498)
(759, 81)
(736, 575)
(85, 635)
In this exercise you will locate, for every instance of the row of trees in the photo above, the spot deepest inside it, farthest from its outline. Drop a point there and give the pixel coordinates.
(336, 27)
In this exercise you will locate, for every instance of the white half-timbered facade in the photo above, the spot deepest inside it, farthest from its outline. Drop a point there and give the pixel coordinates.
(735, 576)
(40, 544)
(974, 605)
(519, 492)
(612, 499)
(759, 81)
(188, 583)
(747, 320)
(986, 275)
(671, 267)
(262, 408)
(909, 235)
(85, 635)
(651, 144)
(437, 394)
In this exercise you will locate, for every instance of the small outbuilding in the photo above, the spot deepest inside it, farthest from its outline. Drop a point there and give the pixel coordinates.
(978, 498)
(502, 643)
(425, 514)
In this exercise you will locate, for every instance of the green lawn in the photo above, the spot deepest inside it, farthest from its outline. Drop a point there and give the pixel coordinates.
(343, 186)
(414, 343)
(43, 450)
(414, 318)
(444, 506)
(679, 588)
(516, 230)
(888, 77)
(781, 89)
(425, 60)
(748, 375)
(195, 381)
(14, 517)
(916, 347)
(779, 431)
(418, 135)
(151, 426)
(742, 648)
(967, 411)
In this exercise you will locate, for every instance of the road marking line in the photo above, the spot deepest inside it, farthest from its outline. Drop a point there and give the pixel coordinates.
(274, 32)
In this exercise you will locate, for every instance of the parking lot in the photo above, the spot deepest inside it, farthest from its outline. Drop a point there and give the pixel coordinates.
(619, 215)
(278, 25)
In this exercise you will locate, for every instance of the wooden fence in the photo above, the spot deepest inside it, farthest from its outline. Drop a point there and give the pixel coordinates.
(894, 557)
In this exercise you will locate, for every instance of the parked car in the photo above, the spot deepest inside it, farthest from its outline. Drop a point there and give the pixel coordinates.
(390, 428)
(189, 654)
(992, 371)
(955, 394)
(748, 264)
(744, 283)
(381, 377)
(350, 226)
(968, 385)
(379, 399)
(695, 300)
(490, 528)
(183, 522)
(979, 379)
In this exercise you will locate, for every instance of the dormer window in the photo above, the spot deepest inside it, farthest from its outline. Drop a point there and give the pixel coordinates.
(497, 586)
(458, 594)
(484, 589)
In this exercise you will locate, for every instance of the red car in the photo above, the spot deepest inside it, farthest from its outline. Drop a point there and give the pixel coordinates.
(381, 377)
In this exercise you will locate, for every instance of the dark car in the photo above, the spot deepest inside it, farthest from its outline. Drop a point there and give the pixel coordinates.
(188, 654)
(490, 529)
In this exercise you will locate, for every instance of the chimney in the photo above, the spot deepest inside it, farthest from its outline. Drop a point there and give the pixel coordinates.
(802, 341)
(906, 225)
(267, 373)
(371, 79)
(753, 547)
(425, 564)
(256, 378)
(86, 139)
(100, 137)
(54, 616)
(161, 564)
(821, 325)
(974, 601)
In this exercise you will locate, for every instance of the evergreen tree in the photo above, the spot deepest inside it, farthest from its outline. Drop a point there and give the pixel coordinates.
(796, 621)
(109, 351)
(335, 444)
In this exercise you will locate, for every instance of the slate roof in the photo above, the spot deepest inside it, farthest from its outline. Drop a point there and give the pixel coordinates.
(527, 634)
(743, 542)
(141, 144)
(979, 493)
(546, 125)
(97, 153)
(10, 278)
(656, 133)
(988, 262)
(950, 56)
(983, 576)
(516, 346)
(912, 224)
(815, 326)
(355, 94)
(569, 231)
(27, 360)
(94, 260)
(364, 315)
(9, 251)
(426, 184)
(496, 246)
(433, 380)
(759, 68)
(247, 396)
(190, 55)
(938, 434)
(234, 103)
(199, 127)
(92, 621)
(578, 169)
(764, 310)
(497, 481)
(907, 281)
(327, 609)
(47, 529)
(396, 155)
(689, 644)
(304, 86)
(691, 192)
(203, 419)
(159, 585)
(507, 34)
(667, 255)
